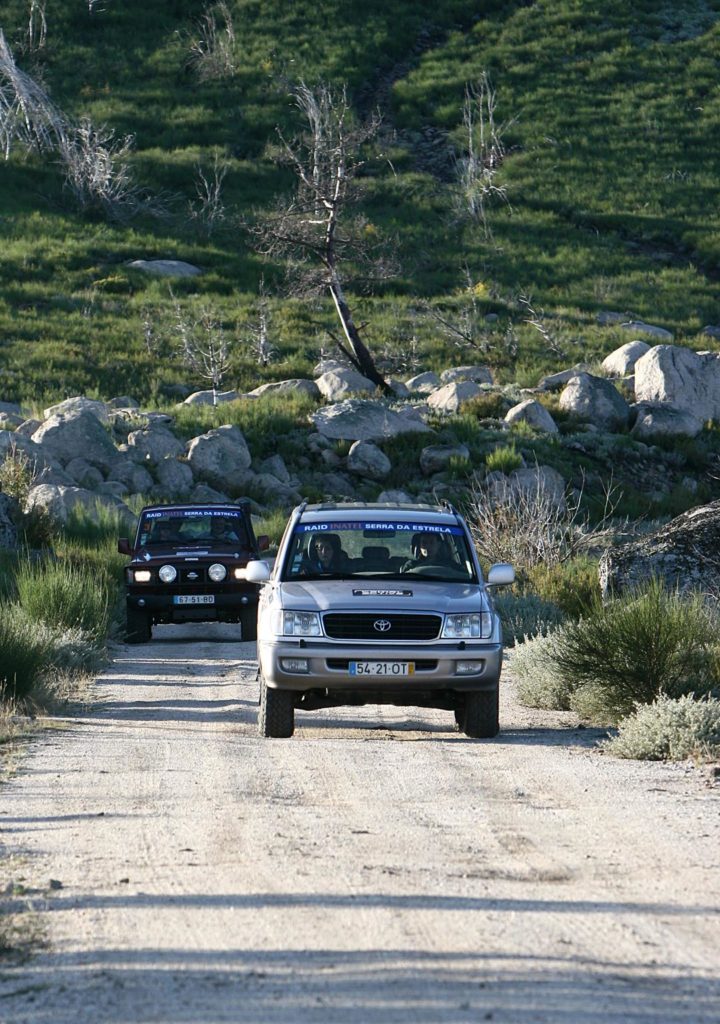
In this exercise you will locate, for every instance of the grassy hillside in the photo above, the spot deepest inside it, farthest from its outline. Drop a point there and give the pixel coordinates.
(613, 156)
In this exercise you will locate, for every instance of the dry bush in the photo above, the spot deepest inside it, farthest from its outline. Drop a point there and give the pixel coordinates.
(670, 730)
(212, 53)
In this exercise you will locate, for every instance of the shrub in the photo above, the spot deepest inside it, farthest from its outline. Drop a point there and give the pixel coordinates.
(540, 683)
(572, 585)
(670, 730)
(637, 647)
(65, 595)
(526, 615)
(504, 459)
(24, 653)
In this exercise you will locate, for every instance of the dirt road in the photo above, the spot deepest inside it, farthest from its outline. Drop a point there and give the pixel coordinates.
(378, 867)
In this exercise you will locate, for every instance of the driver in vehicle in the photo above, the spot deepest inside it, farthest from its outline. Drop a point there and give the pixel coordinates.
(429, 549)
(222, 531)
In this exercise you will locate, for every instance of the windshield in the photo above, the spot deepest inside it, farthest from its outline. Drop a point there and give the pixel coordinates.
(364, 548)
(192, 527)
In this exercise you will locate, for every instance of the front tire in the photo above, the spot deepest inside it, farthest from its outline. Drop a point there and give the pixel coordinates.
(138, 629)
(480, 716)
(276, 716)
(248, 622)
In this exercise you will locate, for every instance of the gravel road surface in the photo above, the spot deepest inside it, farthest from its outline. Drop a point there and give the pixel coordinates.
(378, 867)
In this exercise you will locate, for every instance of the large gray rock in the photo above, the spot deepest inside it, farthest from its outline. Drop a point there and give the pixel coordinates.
(678, 377)
(366, 460)
(166, 268)
(640, 327)
(8, 530)
(448, 399)
(221, 457)
(535, 484)
(654, 420)
(174, 478)
(10, 407)
(423, 383)
(396, 497)
(437, 457)
(297, 385)
(335, 385)
(358, 419)
(533, 413)
(80, 403)
(622, 360)
(456, 374)
(595, 399)
(11, 420)
(555, 381)
(210, 397)
(77, 435)
(133, 477)
(683, 553)
(57, 502)
(84, 474)
(153, 444)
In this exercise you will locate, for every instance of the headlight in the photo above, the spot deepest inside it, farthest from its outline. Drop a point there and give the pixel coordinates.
(168, 573)
(301, 624)
(217, 572)
(142, 575)
(467, 627)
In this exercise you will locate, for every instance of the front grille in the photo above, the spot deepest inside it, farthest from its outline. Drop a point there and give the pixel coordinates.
(351, 626)
(192, 574)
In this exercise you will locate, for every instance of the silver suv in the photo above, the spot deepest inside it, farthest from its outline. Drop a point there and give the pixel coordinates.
(378, 603)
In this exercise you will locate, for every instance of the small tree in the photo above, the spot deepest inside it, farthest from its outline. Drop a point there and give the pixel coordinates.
(258, 328)
(203, 346)
(313, 229)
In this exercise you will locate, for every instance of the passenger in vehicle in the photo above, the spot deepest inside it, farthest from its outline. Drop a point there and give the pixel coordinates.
(222, 531)
(164, 533)
(428, 549)
(325, 554)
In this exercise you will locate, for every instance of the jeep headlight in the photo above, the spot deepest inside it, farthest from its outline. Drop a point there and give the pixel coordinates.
(168, 573)
(217, 572)
(142, 575)
(478, 625)
(301, 624)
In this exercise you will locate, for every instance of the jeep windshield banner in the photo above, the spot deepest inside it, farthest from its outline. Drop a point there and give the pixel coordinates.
(381, 528)
(193, 513)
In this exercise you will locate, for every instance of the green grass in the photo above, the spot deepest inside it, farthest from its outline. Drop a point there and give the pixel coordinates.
(613, 158)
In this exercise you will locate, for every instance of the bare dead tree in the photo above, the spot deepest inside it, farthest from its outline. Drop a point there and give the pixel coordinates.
(313, 229)
(465, 326)
(27, 114)
(208, 210)
(258, 328)
(478, 167)
(536, 319)
(36, 34)
(203, 345)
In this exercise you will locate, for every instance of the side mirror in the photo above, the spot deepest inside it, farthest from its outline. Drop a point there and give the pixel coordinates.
(500, 575)
(124, 546)
(263, 542)
(257, 572)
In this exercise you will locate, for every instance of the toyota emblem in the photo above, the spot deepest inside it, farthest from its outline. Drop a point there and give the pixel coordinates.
(382, 625)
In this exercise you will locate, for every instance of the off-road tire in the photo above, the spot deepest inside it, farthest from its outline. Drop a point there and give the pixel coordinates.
(480, 717)
(248, 622)
(138, 630)
(276, 715)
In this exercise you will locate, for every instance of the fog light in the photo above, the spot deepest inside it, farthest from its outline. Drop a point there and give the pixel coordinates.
(469, 668)
(168, 573)
(217, 572)
(294, 665)
(143, 575)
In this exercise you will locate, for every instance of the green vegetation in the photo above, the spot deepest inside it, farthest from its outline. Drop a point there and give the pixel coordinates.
(611, 159)
(670, 730)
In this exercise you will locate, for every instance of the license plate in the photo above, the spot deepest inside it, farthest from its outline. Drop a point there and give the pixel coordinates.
(382, 668)
(194, 599)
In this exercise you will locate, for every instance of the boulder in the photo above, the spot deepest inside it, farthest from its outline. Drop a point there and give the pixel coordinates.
(436, 457)
(423, 383)
(166, 268)
(123, 402)
(130, 475)
(536, 483)
(597, 400)
(11, 420)
(335, 385)
(678, 377)
(276, 466)
(84, 474)
(78, 435)
(640, 327)
(207, 495)
(78, 404)
(448, 399)
(28, 427)
(533, 413)
(221, 457)
(287, 387)
(555, 381)
(366, 460)
(174, 478)
(325, 365)
(456, 374)
(622, 360)
(8, 530)
(396, 498)
(336, 485)
(358, 419)
(711, 331)
(153, 444)
(654, 420)
(11, 408)
(210, 397)
(683, 553)
(57, 502)
(274, 492)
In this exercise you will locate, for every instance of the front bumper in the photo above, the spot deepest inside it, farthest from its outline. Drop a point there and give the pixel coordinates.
(226, 607)
(328, 666)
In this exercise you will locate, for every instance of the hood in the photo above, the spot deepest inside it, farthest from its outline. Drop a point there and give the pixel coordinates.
(374, 596)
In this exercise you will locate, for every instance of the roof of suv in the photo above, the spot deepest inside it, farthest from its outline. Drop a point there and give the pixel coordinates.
(379, 510)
